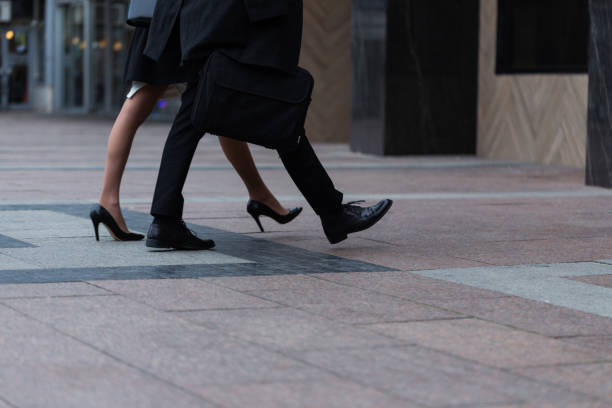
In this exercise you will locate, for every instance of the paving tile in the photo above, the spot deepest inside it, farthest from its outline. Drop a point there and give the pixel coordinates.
(42, 367)
(546, 283)
(183, 294)
(10, 263)
(288, 329)
(488, 343)
(410, 286)
(599, 280)
(62, 253)
(591, 379)
(5, 404)
(353, 305)
(531, 315)
(161, 343)
(436, 379)
(50, 289)
(589, 403)
(273, 282)
(600, 344)
(332, 393)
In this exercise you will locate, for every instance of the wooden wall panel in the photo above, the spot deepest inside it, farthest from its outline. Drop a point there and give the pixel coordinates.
(326, 52)
(536, 118)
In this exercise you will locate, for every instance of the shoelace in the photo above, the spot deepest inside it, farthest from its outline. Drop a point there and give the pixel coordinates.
(189, 229)
(353, 208)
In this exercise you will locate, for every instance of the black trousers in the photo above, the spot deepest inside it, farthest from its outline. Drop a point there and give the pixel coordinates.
(301, 163)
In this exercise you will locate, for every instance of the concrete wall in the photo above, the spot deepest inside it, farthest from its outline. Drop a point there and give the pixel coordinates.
(535, 118)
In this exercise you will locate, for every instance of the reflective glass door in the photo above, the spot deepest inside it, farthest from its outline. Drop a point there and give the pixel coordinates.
(72, 47)
(15, 68)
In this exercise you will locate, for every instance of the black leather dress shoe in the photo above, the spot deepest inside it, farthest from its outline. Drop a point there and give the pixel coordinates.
(353, 218)
(174, 234)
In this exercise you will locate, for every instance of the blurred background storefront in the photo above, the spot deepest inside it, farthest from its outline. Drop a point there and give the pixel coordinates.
(63, 55)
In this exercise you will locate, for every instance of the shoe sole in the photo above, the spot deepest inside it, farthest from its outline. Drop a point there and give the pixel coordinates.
(371, 223)
(157, 244)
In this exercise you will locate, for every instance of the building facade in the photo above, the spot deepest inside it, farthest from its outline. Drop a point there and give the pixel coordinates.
(503, 79)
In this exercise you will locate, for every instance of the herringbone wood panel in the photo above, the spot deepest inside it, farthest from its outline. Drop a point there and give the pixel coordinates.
(326, 52)
(537, 118)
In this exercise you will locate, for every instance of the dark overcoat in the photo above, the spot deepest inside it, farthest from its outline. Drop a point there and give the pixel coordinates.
(259, 32)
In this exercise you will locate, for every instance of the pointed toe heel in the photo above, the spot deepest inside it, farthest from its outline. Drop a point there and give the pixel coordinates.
(99, 215)
(256, 209)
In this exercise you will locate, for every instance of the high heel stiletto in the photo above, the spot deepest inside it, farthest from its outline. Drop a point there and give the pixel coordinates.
(257, 209)
(99, 215)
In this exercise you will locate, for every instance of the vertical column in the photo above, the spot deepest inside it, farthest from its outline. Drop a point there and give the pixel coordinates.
(599, 140)
(415, 76)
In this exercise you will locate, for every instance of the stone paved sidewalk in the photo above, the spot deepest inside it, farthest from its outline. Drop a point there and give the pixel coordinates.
(489, 284)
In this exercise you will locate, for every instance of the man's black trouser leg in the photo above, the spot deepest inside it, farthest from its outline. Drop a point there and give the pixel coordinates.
(312, 179)
(301, 163)
(176, 160)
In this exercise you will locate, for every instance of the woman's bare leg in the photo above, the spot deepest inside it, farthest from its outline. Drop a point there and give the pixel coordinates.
(133, 113)
(239, 155)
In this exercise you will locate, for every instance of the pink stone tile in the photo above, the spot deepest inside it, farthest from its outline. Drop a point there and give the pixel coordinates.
(487, 343)
(530, 315)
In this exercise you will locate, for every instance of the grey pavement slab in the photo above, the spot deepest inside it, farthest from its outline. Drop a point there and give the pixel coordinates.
(50, 290)
(8, 242)
(288, 329)
(329, 393)
(183, 294)
(432, 378)
(14, 264)
(45, 368)
(56, 253)
(163, 344)
(488, 343)
(544, 283)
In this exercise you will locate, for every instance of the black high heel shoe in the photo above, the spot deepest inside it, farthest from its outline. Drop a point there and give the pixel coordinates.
(99, 215)
(257, 209)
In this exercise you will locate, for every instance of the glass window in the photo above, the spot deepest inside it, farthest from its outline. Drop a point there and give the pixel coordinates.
(542, 36)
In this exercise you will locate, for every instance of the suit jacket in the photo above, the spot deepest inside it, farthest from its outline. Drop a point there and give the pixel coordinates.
(258, 32)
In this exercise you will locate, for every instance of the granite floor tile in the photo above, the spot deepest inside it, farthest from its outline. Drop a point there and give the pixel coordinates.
(531, 315)
(410, 286)
(161, 343)
(288, 329)
(600, 344)
(274, 282)
(9, 263)
(5, 404)
(354, 305)
(50, 289)
(330, 393)
(42, 367)
(53, 253)
(183, 294)
(591, 379)
(432, 378)
(488, 343)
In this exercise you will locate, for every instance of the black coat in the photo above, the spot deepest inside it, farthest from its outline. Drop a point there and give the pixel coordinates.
(259, 32)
